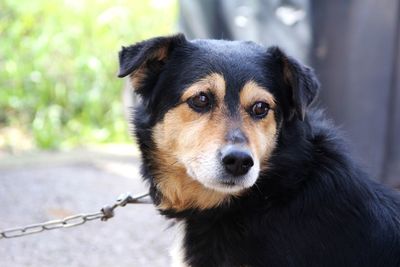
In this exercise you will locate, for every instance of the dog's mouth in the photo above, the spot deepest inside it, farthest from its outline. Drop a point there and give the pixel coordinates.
(228, 183)
(231, 187)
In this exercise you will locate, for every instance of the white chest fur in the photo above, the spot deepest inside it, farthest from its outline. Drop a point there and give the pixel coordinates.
(177, 251)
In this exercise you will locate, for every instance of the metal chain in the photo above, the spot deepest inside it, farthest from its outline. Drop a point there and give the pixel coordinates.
(104, 214)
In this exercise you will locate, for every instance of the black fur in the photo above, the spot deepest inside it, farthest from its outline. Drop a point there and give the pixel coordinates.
(313, 207)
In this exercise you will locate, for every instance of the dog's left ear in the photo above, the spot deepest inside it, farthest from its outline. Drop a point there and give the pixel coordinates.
(301, 84)
(146, 58)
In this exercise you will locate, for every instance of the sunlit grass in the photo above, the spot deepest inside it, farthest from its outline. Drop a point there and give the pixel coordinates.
(58, 65)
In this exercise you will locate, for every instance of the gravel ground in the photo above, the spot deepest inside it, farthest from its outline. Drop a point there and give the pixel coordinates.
(43, 187)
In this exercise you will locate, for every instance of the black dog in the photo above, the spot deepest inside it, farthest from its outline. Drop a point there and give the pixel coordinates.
(255, 177)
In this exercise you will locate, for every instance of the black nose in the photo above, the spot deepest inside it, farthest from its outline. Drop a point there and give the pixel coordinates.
(237, 161)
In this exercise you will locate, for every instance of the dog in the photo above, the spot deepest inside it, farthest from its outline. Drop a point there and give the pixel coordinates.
(255, 175)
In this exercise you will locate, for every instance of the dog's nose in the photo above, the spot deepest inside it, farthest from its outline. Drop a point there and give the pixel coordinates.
(237, 161)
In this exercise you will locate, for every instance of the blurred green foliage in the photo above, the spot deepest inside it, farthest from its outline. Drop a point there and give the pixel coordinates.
(58, 65)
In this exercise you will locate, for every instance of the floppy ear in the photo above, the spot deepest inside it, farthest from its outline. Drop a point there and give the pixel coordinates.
(300, 82)
(146, 58)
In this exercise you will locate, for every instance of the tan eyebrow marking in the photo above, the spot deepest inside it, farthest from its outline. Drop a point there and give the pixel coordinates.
(252, 92)
(213, 82)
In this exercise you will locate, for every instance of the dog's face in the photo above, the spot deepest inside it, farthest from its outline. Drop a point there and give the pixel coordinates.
(210, 114)
(220, 140)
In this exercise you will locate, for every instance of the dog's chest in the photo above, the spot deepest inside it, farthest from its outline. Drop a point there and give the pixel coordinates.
(177, 251)
(207, 246)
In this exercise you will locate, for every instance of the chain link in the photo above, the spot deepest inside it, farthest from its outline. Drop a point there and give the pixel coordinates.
(104, 214)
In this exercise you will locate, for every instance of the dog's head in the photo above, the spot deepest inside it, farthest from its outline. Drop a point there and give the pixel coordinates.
(210, 114)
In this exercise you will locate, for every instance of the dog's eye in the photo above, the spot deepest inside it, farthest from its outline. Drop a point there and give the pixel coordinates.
(200, 102)
(259, 110)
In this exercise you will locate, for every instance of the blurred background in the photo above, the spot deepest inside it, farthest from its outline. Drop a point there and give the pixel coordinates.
(65, 147)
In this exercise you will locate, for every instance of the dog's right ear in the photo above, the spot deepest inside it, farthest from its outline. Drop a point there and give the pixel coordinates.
(146, 58)
(301, 84)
